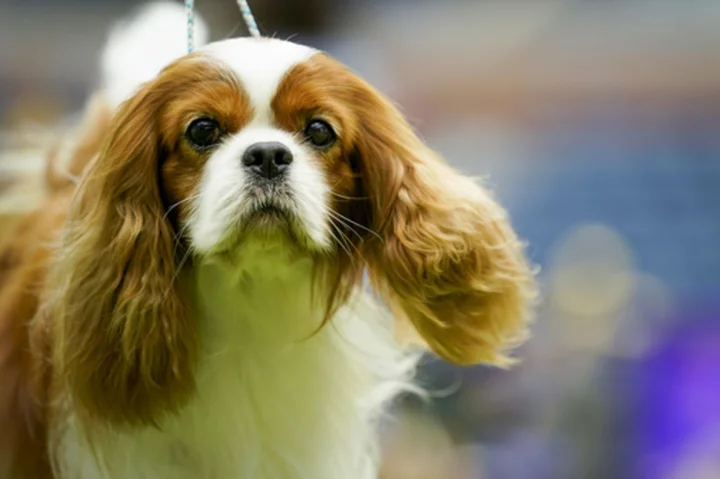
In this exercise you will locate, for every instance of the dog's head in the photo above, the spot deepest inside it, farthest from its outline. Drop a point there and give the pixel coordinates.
(251, 137)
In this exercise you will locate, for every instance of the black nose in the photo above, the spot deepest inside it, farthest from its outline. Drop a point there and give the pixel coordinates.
(267, 159)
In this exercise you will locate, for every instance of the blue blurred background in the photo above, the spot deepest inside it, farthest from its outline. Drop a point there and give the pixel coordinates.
(598, 125)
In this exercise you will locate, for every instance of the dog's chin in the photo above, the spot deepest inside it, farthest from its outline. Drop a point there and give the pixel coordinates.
(269, 216)
(267, 224)
(269, 221)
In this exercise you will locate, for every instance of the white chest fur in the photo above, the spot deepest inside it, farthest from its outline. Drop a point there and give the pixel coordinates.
(272, 402)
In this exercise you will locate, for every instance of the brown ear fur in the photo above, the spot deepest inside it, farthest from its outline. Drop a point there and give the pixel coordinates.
(123, 339)
(449, 259)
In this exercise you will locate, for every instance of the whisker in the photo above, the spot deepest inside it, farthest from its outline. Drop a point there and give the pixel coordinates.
(178, 269)
(337, 195)
(182, 261)
(181, 231)
(339, 242)
(346, 225)
(346, 240)
(233, 31)
(350, 242)
(177, 239)
(175, 205)
(342, 217)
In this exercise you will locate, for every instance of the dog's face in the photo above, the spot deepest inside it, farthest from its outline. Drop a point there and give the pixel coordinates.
(252, 137)
(259, 139)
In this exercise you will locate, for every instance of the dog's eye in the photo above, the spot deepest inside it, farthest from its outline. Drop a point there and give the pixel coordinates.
(319, 133)
(203, 132)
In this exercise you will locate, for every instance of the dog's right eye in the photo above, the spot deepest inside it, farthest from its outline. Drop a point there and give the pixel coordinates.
(319, 134)
(203, 132)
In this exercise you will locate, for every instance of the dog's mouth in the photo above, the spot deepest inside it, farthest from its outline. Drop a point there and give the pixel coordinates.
(270, 211)
(270, 202)
(270, 216)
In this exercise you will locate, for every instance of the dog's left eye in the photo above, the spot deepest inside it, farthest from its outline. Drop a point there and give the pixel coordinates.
(319, 133)
(203, 132)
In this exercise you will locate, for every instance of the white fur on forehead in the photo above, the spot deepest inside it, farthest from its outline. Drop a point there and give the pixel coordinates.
(260, 64)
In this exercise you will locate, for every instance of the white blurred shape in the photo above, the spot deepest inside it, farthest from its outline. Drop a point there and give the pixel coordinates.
(140, 46)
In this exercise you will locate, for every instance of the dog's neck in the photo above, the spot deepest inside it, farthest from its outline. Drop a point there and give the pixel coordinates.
(270, 382)
(260, 295)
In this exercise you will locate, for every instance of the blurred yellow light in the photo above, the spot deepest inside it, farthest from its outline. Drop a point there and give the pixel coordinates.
(592, 272)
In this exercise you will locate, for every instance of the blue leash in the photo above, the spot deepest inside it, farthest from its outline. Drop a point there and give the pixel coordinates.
(244, 8)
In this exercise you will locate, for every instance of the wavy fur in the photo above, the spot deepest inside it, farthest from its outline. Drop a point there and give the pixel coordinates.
(450, 260)
(124, 341)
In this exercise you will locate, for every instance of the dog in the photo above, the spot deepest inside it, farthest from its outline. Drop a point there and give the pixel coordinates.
(192, 300)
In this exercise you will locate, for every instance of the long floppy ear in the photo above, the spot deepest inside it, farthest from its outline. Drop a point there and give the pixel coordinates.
(123, 338)
(449, 259)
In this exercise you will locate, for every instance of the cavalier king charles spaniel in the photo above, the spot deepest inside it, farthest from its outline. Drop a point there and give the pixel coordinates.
(195, 304)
